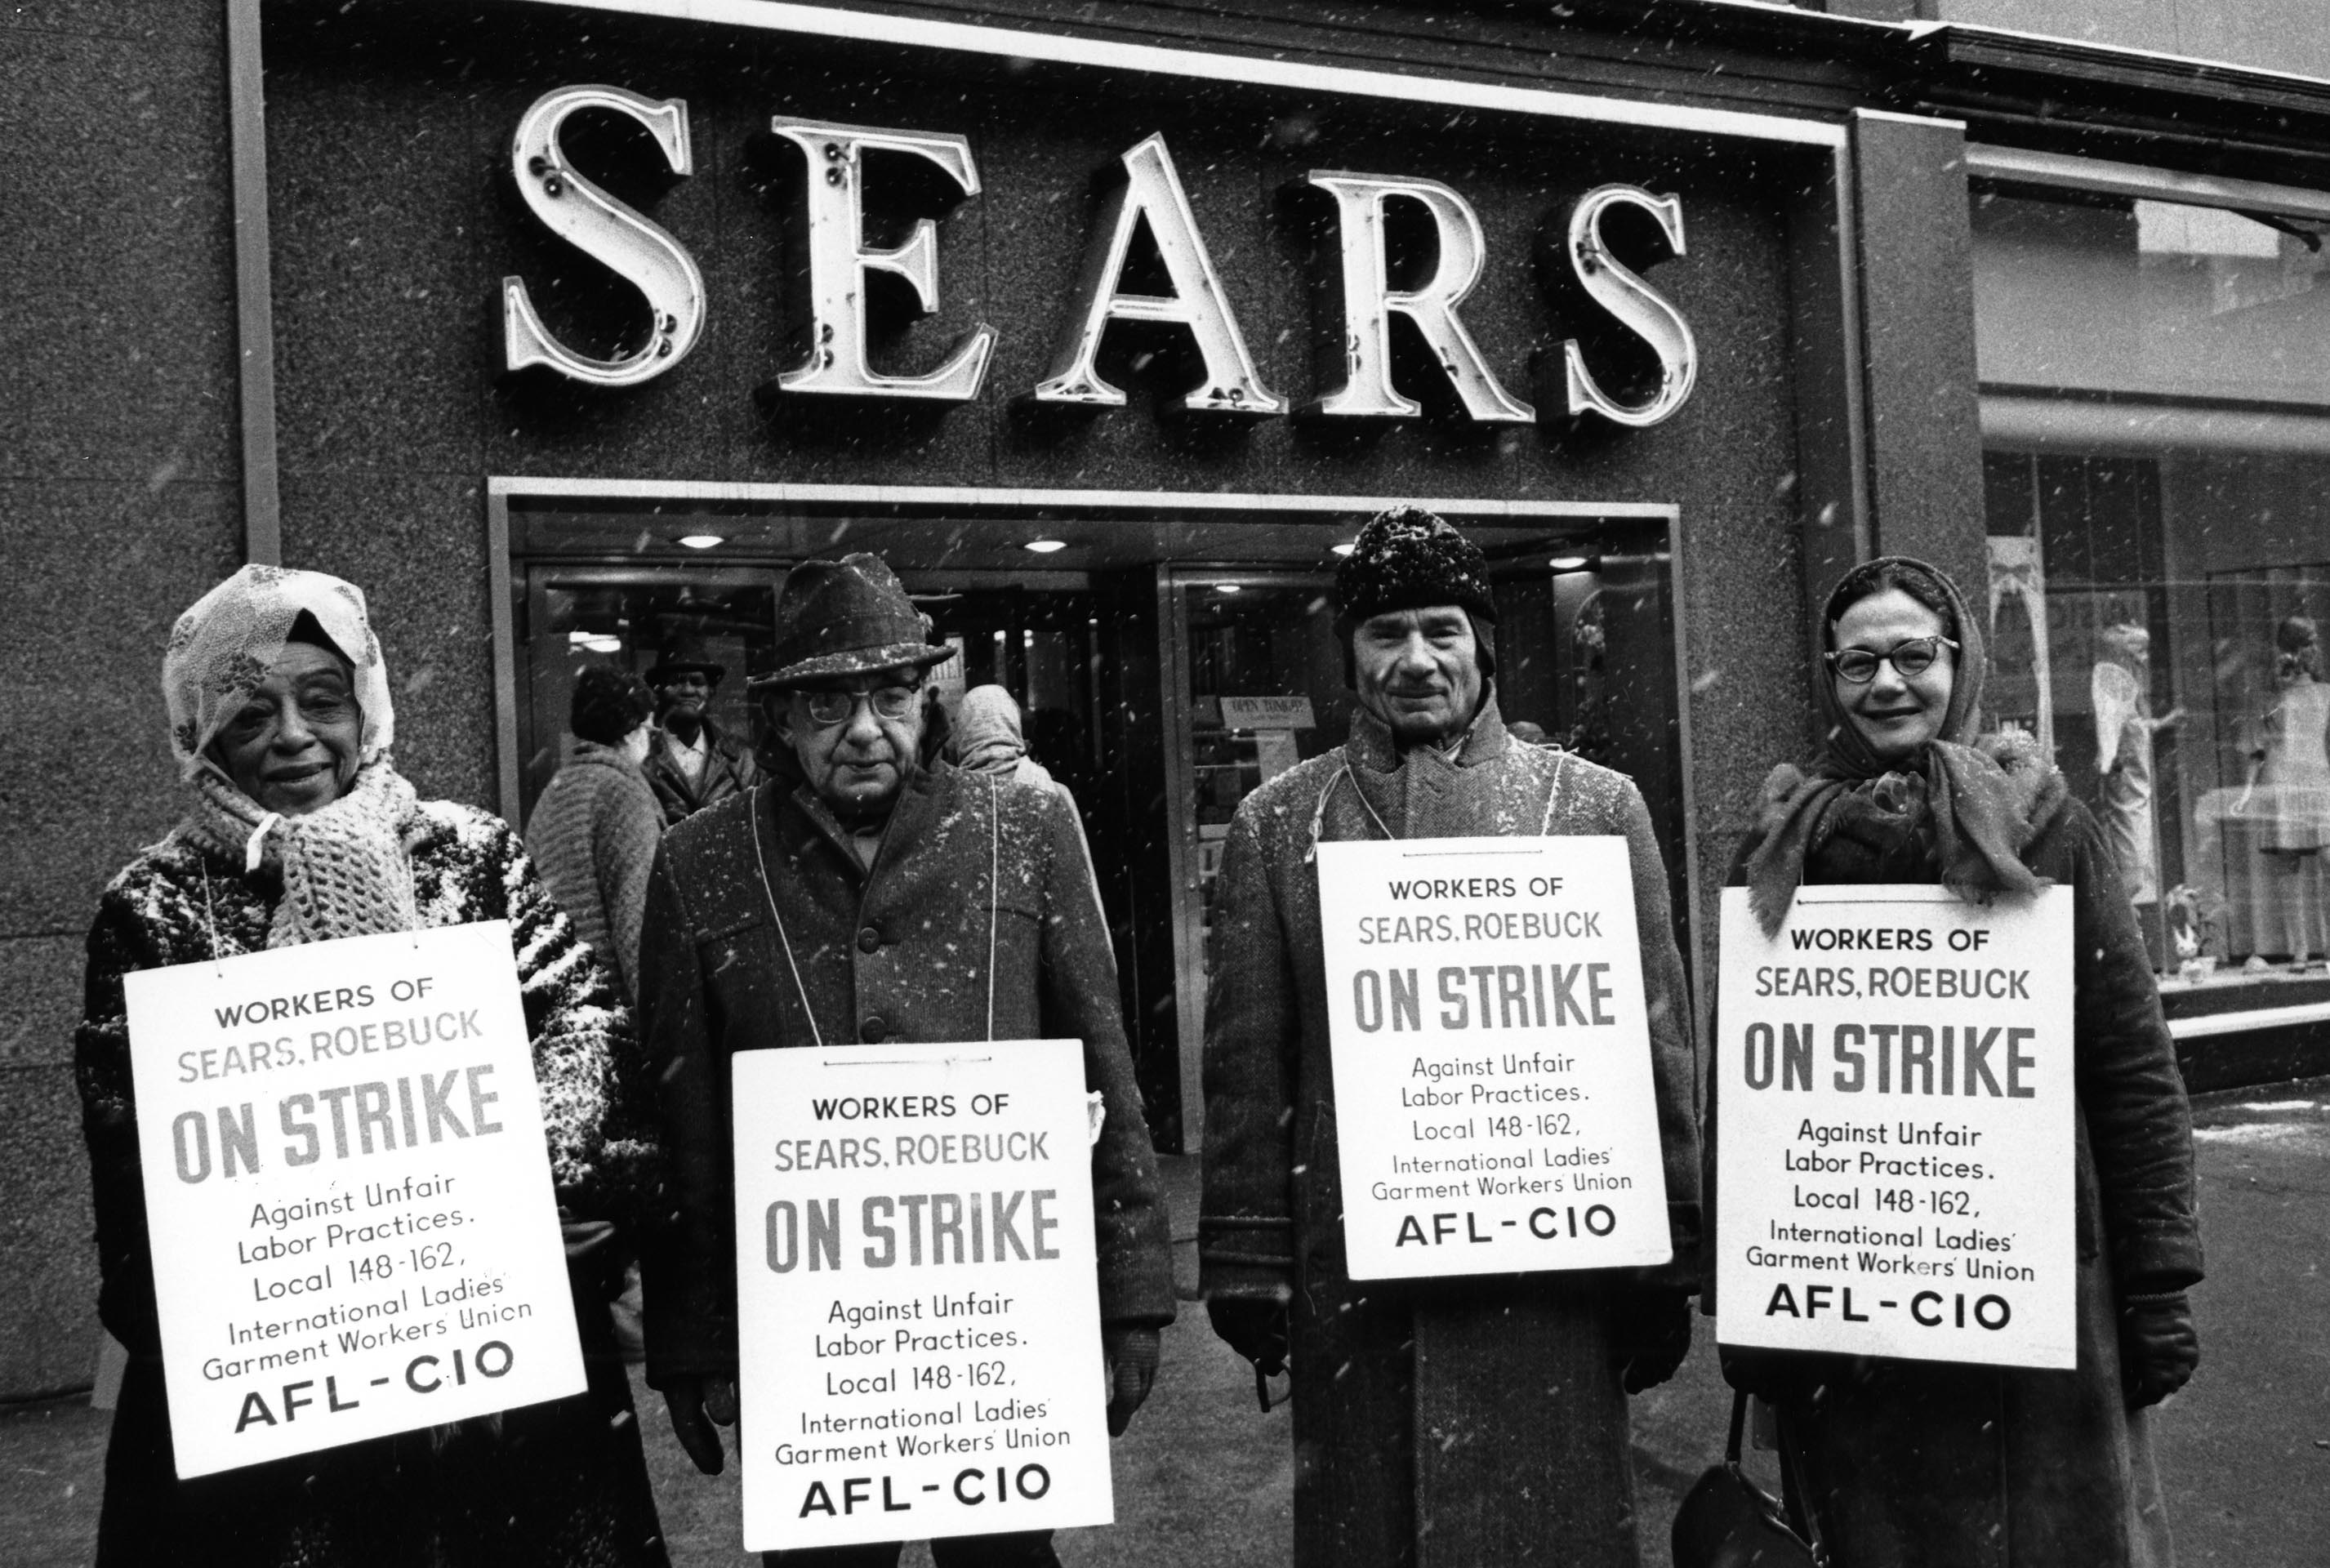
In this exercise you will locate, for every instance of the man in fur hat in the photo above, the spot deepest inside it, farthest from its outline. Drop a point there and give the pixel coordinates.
(691, 762)
(1478, 1420)
(911, 901)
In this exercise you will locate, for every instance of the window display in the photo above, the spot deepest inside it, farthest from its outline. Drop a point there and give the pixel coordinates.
(2156, 424)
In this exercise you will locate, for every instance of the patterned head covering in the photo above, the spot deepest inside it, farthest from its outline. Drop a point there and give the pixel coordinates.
(224, 647)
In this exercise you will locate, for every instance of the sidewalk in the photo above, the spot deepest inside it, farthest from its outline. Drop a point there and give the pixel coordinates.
(1203, 1480)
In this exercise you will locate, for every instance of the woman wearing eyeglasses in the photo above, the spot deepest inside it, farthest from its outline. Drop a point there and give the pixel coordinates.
(1912, 1463)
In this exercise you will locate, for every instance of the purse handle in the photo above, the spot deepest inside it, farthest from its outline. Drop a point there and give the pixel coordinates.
(1791, 1494)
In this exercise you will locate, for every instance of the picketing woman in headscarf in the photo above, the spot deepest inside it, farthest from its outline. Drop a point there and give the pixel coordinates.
(299, 829)
(1909, 1463)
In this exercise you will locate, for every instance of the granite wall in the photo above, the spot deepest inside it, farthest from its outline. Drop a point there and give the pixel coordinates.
(119, 503)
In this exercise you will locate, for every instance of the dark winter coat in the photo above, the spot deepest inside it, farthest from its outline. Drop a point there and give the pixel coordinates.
(897, 952)
(729, 771)
(1467, 1422)
(1913, 1464)
(593, 837)
(558, 1483)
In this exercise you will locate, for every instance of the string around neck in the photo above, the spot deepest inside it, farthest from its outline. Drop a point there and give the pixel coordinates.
(761, 864)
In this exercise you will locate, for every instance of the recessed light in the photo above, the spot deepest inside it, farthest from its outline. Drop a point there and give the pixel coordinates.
(702, 541)
(581, 637)
(1044, 546)
(1228, 586)
(1344, 549)
(1569, 564)
(603, 645)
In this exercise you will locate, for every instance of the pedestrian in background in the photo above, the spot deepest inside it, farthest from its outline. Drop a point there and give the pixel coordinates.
(595, 831)
(1918, 1463)
(1488, 1413)
(299, 829)
(692, 762)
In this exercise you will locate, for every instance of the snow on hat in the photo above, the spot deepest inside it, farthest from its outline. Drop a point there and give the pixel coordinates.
(225, 643)
(847, 618)
(1404, 559)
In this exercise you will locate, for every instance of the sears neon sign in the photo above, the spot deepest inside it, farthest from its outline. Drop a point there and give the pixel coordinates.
(1150, 191)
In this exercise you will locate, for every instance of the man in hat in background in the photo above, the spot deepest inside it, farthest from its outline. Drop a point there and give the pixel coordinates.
(912, 901)
(1480, 1419)
(691, 763)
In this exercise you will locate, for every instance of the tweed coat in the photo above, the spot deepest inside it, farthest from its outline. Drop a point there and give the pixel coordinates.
(557, 1484)
(1471, 1421)
(1912, 1464)
(896, 951)
(730, 770)
(593, 837)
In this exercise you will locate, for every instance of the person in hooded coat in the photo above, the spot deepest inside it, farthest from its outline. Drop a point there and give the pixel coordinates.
(1474, 1421)
(1916, 1464)
(300, 830)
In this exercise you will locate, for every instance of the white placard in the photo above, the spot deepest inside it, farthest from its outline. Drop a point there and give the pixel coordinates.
(347, 1197)
(1494, 1105)
(1268, 713)
(918, 1310)
(1894, 1087)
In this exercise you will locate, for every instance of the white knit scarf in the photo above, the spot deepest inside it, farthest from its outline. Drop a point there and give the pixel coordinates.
(344, 866)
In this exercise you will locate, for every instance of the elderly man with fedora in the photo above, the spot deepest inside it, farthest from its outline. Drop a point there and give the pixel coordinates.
(1478, 1420)
(691, 762)
(874, 866)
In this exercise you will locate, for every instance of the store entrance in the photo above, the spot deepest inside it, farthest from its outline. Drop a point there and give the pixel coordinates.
(1167, 657)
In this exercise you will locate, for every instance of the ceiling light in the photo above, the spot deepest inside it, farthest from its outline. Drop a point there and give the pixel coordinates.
(1344, 549)
(1044, 546)
(702, 541)
(1227, 586)
(1569, 564)
(603, 645)
(578, 637)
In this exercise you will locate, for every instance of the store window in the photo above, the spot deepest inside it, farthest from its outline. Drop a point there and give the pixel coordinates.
(1168, 659)
(2156, 413)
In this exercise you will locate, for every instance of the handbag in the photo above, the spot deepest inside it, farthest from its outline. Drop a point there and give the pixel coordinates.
(1727, 1521)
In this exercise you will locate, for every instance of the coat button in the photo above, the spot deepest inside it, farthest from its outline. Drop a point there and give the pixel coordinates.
(870, 940)
(873, 1031)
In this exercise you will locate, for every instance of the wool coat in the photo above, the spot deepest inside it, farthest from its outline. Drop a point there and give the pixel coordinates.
(729, 771)
(1913, 1464)
(1471, 1420)
(556, 1485)
(976, 921)
(593, 837)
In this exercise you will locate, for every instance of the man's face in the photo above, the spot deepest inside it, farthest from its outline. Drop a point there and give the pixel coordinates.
(1418, 671)
(686, 693)
(857, 737)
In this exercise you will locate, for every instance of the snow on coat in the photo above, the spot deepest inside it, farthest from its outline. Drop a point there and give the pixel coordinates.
(1937, 1464)
(554, 1484)
(1469, 1421)
(928, 944)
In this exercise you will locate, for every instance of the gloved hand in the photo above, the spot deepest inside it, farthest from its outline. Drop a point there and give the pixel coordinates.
(693, 1403)
(1255, 1329)
(1132, 1357)
(1650, 1334)
(2159, 1348)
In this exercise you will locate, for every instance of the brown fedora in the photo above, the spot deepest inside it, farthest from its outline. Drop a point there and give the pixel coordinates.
(847, 618)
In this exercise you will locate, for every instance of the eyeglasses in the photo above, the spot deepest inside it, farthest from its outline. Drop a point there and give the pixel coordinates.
(829, 708)
(1915, 655)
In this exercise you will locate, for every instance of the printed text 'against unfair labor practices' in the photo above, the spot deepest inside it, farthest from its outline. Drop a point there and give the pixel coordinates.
(348, 1193)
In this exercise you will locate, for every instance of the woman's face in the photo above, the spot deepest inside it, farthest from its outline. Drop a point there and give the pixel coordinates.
(294, 745)
(1895, 714)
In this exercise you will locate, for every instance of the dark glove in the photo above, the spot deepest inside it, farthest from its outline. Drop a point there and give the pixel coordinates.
(1650, 1334)
(2159, 1348)
(1255, 1329)
(693, 1403)
(1132, 1357)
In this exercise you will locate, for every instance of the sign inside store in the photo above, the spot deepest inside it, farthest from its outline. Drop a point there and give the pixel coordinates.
(1149, 192)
